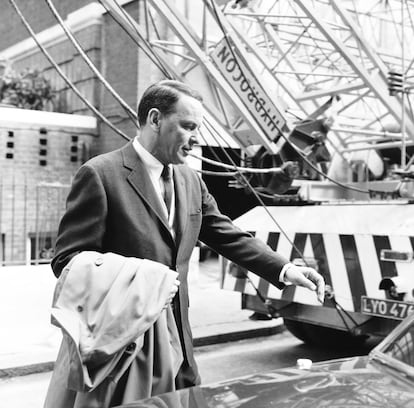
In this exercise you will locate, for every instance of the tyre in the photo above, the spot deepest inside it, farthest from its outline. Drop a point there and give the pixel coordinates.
(324, 336)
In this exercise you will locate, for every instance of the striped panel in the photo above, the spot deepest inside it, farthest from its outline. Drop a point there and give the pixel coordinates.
(339, 275)
(284, 247)
(255, 279)
(405, 270)
(387, 268)
(402, 244)
(353, 269)
(369, 262)
(350, 264)
(242, 283)
(319, 251)
(272, 241)
(299, 245)
(304, 245)
(296, 249)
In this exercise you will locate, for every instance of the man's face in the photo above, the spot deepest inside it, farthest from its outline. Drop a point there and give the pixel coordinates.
(178, 131)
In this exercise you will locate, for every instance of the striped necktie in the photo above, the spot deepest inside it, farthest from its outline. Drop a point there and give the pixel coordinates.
(168, 186)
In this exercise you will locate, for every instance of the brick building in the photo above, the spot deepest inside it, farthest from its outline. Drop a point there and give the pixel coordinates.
(40, 151)
(115, 55)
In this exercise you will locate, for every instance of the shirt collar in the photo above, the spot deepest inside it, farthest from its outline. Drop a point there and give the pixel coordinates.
(152, 164)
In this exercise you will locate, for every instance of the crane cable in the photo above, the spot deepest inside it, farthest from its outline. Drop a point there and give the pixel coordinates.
(160, 67)
(131, 113)
(61, 73)
(297, 150)
(150, 55)
(260, 201)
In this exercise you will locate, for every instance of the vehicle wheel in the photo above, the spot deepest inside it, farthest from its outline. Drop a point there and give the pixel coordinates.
(324, 336)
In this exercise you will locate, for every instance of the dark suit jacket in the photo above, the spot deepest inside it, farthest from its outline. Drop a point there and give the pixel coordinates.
(113, 207)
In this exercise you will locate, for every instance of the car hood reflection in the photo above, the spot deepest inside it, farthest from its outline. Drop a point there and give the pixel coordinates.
(341, 383)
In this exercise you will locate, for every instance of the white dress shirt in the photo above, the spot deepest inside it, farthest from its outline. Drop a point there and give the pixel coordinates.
(154, 168)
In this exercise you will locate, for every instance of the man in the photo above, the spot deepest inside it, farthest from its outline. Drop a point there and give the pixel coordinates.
(116, 205)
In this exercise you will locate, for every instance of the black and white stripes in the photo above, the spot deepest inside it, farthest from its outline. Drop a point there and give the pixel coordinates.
(350, 262)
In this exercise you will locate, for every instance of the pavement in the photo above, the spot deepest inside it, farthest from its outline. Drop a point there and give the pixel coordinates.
(29, 342)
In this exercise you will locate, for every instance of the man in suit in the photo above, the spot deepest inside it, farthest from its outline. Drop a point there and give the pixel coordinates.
(116, 204)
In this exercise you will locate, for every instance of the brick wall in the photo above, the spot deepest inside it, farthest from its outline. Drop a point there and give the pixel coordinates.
(74, 67)
(120, 61)
(37, 161)
(37, 14)
(124, 66)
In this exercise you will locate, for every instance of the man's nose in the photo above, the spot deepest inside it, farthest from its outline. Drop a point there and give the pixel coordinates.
(194, 138)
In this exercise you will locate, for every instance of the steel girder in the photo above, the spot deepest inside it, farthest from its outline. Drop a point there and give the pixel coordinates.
(317, 49)
(266, 65)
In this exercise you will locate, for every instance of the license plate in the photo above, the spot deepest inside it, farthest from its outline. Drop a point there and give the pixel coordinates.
(393, 309)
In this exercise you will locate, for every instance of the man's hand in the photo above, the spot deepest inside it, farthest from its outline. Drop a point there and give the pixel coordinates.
(308, 278)
(173, 292)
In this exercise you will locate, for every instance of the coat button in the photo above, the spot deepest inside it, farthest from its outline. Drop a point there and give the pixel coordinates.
(130, 347)
(80, 309)
(98, 261)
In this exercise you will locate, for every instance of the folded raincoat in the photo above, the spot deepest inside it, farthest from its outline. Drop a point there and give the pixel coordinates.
(119, 342)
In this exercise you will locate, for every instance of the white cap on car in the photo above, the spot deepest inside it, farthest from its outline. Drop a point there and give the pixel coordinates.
(304, 363)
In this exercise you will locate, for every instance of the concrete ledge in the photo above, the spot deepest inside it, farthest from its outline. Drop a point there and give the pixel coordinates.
(238, 335)
(26, 369)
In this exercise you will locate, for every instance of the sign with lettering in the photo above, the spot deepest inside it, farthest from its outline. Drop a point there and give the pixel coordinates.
(393, 309)
(245, 84)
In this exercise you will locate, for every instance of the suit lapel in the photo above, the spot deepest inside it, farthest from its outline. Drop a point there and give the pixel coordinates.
(141, 182)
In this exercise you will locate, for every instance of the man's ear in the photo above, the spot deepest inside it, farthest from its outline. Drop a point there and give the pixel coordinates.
(154, 116)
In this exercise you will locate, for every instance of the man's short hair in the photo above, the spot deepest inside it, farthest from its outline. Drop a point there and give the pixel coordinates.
(163, 95)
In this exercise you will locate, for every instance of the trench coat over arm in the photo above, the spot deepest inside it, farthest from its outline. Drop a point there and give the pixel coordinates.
(113, 207)
(109, 308)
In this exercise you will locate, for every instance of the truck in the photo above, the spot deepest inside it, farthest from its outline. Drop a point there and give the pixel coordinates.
(309, 121)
